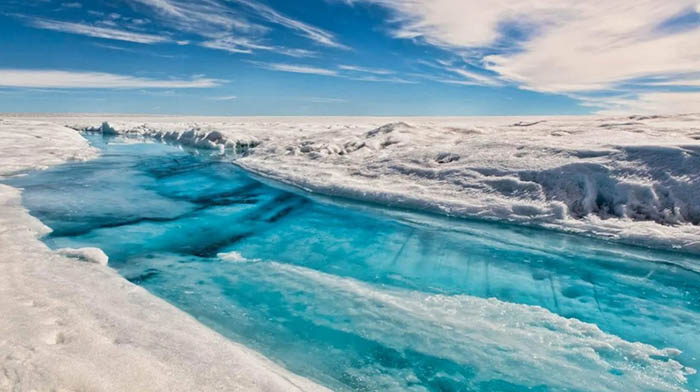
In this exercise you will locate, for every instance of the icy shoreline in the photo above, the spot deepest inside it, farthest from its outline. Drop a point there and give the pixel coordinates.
(633, 179)
(70, 325)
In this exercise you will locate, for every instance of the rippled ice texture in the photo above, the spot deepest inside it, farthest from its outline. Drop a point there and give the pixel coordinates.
(361, 298)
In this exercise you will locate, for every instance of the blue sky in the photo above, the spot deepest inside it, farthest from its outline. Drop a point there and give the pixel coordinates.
(349, 57)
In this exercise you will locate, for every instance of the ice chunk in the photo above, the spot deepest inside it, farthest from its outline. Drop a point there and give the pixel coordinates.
(89, 255)
(233, 257)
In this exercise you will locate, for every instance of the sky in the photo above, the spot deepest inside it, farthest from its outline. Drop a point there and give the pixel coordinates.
(350, 57)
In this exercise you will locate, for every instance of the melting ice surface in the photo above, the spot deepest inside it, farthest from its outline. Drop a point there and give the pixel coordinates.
(361, 298)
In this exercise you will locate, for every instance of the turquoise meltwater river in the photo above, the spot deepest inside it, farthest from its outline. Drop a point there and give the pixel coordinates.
(362, 298)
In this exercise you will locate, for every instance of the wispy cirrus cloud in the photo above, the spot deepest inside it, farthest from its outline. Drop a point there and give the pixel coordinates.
(224, 98)
(236, 26)
(368, 74)
(245, 45)
(379, 79)
(135, 51)
(357, 68)
(294, 52)
(324, 100)
(234, 45)
(472, 77)
(98, 32)
(313, 33)
(350, 72)
(80, 79)
(450, 72)
(210, 18)
(296, 68)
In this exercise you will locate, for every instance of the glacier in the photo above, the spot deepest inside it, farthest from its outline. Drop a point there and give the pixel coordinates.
(623, 179)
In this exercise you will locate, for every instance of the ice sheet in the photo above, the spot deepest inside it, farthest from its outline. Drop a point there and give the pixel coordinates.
(211, 260)
(633, 179)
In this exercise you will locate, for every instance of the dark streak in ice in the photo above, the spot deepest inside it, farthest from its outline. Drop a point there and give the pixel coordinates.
(177, 166)
(554, 294)
(212, 249)
(286, 211)
(403, 246)
(144, 277)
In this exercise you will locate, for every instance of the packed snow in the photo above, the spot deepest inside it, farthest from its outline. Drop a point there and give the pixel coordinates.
(88, 255)
(634, 178)
(72, 326)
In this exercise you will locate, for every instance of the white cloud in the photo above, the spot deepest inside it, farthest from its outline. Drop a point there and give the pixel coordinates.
(71, 79)
(450, 69)
(295, 52)
(356, 68)
(225, 27)
(351, 75)
(225, 98)
(325, 100)
(210, 19)
(473, 77)
(563, 46)
(460, 82)
(245, 45)
(380, 79)
(294, 68)
(313, 33)
(235, 26)
(365, 74)
(451, 23)
(234, 45)
(608, 47)
(98, 32)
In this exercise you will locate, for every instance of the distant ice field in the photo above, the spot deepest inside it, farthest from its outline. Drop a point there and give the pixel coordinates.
(361, 297)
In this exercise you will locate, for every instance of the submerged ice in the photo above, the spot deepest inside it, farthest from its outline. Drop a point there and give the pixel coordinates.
(363, 298)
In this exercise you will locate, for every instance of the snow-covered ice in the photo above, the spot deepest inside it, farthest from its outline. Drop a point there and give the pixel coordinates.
(71, 326)
(632, 178)
(30, 145)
